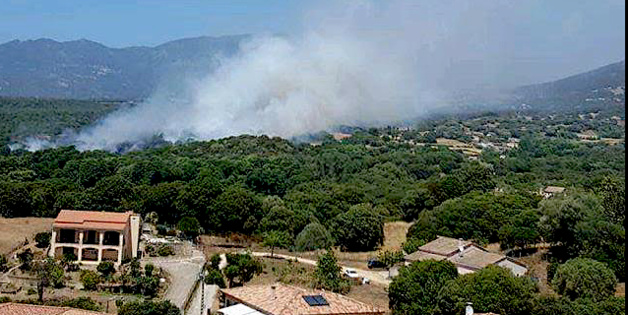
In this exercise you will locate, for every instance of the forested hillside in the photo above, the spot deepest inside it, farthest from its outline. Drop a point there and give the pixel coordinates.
(253, 185)
(85, 69)
(46, 118)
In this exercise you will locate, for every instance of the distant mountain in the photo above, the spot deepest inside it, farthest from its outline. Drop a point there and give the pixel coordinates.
(85, 69)
(604, 86)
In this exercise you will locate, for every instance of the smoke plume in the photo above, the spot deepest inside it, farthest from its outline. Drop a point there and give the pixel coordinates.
(352, 63)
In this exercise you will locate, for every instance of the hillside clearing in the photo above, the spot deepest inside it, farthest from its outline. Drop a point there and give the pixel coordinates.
(13, 231)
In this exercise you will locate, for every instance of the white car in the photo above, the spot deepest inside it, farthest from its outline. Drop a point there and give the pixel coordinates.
(351, 273)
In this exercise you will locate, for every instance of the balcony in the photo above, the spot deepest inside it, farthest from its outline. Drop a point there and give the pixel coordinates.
(67, 237)
(91, 238)
(111, 239)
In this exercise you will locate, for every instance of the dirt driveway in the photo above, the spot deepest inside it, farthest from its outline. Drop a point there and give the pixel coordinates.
(183, 273)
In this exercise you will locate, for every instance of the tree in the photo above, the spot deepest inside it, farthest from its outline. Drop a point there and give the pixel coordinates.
(50, 274)
(521, 231)
(613, 193)
(3, 263)
(584, 278)
(106, 268)
(68, 261)
(327, 274)
(359, 229)
(390, 258)
(25, 258)
(476, 215)
(149, 308)
(233, 208)
(43, 239)
(492, 289)
(190, 227)
(276, 239)
(314, 236)
(242, 267)
(415, 290)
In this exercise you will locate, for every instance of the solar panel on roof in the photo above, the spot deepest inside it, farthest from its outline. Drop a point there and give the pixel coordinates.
(315, 300)
(321, 300)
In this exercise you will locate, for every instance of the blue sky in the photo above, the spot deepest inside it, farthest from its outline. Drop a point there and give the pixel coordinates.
(120, 23)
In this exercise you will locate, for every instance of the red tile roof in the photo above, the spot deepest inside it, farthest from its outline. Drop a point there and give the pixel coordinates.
(22, 309)
(97, 220)
(282, 299)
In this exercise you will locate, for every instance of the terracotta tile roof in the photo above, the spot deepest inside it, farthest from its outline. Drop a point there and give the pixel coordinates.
(281, 299)
(444, 246)
(22, 309)
(73, 219)
(475, 258)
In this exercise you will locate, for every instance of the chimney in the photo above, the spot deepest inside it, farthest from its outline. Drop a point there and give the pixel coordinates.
(460, 246)
(469, 309)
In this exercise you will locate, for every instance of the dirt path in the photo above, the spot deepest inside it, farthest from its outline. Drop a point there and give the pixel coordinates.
(379, 277)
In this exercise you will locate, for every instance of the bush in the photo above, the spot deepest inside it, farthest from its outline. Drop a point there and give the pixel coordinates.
(43, 239)
(214, 261)
(412, 245)
(106, 268)
(149, 308)
(84, 303)
(90, 279)
(165, 250)
(214, 276)
(314, 236)
(31, 291)
(584, 278)
(148, 270)
(148, 286)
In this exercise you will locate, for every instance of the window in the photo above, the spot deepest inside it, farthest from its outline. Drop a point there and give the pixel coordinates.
(315, 300)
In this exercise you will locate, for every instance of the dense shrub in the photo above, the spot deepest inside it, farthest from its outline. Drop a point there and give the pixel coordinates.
(584, 278)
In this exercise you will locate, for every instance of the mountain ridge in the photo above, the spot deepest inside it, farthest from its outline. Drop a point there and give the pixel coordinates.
(84, 69)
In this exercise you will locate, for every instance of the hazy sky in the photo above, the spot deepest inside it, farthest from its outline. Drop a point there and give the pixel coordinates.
(558, 36)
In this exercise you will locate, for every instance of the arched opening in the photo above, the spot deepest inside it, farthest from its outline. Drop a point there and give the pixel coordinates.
(110, 255)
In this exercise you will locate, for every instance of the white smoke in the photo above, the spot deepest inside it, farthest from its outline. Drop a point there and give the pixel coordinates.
(354, 63)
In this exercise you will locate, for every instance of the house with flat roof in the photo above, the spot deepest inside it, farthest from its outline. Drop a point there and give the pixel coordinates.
(282, 299)
(95, 236)
(465, 255)
(551, 191)
(21, 309)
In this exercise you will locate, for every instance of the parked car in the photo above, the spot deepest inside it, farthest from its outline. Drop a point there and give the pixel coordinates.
(351, 273)
(374, 263)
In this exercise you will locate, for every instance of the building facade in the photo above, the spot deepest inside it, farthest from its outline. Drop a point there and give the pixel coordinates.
(95, 236)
